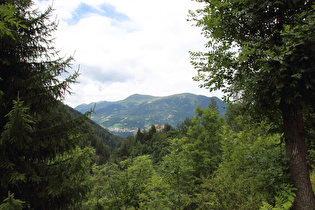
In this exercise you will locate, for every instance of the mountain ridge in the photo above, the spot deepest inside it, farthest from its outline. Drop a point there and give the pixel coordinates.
(142, 111)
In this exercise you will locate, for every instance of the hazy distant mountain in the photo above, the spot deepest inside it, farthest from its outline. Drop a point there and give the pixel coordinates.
(142, 111)
(87, 107)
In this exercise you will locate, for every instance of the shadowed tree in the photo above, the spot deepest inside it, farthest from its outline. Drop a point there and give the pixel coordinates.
(262, 53)
(41, 161)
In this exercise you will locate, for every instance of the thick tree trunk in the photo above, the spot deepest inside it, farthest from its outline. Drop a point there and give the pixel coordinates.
(294, 134)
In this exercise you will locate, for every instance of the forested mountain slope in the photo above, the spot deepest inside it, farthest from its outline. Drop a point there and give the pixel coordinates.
(142, 111)
(106, 137)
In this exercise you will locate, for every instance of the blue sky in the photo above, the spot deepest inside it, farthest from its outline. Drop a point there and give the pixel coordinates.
(85, 10)
(125, 47)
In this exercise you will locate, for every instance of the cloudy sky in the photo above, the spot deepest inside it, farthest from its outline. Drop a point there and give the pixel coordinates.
(125, 47)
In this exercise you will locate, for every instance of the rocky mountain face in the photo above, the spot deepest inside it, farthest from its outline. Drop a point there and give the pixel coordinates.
(142, 111)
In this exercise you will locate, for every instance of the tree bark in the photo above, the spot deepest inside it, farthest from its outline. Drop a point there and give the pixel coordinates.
(294, 134)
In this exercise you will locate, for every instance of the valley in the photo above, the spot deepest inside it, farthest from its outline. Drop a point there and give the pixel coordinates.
(142, 111)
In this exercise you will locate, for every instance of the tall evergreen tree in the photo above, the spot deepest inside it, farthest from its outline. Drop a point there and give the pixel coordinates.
(262, 52)
(40, 161)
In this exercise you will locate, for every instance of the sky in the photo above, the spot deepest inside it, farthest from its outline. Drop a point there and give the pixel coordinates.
(124, 47)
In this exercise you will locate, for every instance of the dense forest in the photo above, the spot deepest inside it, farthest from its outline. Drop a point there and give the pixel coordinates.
(207, 162)
(260, 155)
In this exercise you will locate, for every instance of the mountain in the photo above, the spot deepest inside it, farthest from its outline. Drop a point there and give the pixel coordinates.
(142, 111)
(87, 107)
(106, 137)
(136, 98)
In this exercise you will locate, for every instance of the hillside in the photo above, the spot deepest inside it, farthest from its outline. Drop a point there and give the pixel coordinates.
(106, 137)
(142, 111)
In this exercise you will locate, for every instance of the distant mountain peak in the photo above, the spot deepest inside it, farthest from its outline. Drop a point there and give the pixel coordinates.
(139, 97)
(143, 111)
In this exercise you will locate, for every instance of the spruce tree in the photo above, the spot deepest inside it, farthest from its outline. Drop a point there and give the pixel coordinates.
(41, 162)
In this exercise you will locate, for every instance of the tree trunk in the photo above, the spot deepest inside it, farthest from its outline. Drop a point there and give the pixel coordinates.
(294, 134)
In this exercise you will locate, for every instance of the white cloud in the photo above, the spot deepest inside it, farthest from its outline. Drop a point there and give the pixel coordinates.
(128, 46)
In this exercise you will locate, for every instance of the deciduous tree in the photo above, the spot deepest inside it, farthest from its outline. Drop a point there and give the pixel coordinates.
(204, 144)
(262, 53)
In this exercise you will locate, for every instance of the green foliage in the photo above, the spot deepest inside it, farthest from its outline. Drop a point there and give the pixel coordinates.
(151, 142)
(183, 126)
(17, 133)
(18, 129)
(10, 203)
(254, 44)
(237, 117)
(177, 169)
(63, 175)
(43, 159)
(205, 140)
(212, 166)
(67, 178)
(7, 20)
(252, 170)
(130, 184)
(96, 136)
(206, 163)
(284, 200)
(262, 55)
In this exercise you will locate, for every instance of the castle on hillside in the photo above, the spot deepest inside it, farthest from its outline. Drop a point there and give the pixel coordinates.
(159, 127)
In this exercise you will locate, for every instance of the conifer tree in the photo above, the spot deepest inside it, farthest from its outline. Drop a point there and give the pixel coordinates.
(41, 162)
(11, 204)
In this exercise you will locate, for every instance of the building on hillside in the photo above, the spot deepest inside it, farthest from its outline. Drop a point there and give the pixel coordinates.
(159, 127)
